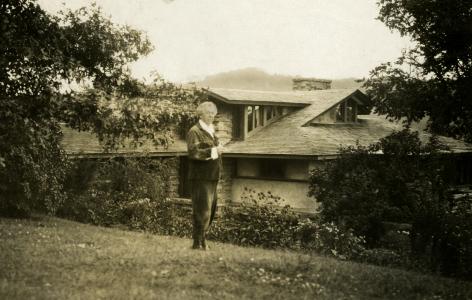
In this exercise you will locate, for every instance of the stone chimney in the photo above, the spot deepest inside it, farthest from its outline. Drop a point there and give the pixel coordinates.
(310, 84)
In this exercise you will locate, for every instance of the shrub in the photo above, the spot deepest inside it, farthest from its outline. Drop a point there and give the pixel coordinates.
(329, 239)
(362, 189)
(115, 191)
(163, 217)
(455, 255)
(409, 184)
(31, 177)
(258, 221)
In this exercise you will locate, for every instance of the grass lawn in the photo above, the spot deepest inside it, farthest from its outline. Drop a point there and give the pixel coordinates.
(49, 258)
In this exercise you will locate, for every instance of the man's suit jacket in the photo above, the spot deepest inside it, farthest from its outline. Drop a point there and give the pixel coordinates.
(199, 144)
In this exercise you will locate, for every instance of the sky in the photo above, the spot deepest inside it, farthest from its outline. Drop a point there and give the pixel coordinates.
(309, 38)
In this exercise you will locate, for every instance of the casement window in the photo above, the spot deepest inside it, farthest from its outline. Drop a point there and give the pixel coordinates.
(270, 112)
(346, 112)
(272, 169)
(254, 117)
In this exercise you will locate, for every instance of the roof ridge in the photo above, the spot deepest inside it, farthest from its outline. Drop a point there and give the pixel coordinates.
(282, 92)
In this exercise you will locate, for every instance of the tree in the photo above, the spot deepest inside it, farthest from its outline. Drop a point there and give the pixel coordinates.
(39, 55)
(406, 183)
(434, 79)
(400, 179)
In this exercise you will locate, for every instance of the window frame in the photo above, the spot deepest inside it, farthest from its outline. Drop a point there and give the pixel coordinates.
(265, 162)
(346, 112)
(255, 117)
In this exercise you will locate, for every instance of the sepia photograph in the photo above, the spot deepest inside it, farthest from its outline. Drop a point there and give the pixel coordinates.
(252, 149)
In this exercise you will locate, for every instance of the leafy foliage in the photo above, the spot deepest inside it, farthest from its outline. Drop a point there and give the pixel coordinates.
(41, 56)
(434, 78)
(109, 192)
(329, 239)
(407, 183)
(155, 113)
(456, 247)
(258, 221)
(363, 189)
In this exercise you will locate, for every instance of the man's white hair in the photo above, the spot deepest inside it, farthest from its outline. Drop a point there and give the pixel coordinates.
(206, 106)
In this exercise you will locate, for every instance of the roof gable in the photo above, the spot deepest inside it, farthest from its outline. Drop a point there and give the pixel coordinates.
(319, 102)
(359, 98)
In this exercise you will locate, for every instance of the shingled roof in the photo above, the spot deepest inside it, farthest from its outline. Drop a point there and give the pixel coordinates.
(293, 136)
(289, 98)
(287, 137)
(86, 144)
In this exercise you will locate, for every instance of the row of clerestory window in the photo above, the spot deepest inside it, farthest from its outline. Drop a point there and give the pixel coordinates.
(260, 115)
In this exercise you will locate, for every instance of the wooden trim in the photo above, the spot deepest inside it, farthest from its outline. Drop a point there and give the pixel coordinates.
(356, 98)
(281, 156)
(264, 124)
(272, 179)
(245, 123)
(138, 154)
(327, 157)
(255, 102)
(345, 102)
(355, 112)
(264, 115)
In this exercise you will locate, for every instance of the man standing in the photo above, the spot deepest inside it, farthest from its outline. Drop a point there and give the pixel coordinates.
(204, 153)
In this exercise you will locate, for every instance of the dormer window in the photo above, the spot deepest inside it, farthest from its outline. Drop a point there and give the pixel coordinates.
(258, 116)
(254, 117)
(346, 112)
(272, 111)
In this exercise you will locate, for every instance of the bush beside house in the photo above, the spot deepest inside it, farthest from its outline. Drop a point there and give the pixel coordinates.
(407, 183)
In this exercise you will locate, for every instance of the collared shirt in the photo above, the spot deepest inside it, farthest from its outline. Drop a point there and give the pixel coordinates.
(208, 128)
(211, 130)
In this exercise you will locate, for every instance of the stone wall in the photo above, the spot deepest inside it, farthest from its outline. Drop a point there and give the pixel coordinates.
(310, 84)
(174, 176)
(224, 123)
(226, 181)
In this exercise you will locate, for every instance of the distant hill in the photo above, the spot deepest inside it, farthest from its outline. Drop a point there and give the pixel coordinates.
(256, 79)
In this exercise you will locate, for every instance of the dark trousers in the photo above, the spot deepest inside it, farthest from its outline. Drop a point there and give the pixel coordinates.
(204, 207)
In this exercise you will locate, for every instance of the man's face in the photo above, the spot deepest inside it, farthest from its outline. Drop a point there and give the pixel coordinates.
(208, 116)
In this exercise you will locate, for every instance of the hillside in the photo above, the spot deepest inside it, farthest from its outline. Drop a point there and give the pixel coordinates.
(256, 79)
(49, 258)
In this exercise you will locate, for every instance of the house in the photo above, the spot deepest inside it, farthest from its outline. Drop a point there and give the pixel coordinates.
(273, 139)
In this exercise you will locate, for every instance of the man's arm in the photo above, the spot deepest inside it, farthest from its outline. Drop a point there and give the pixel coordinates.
(196, 149)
